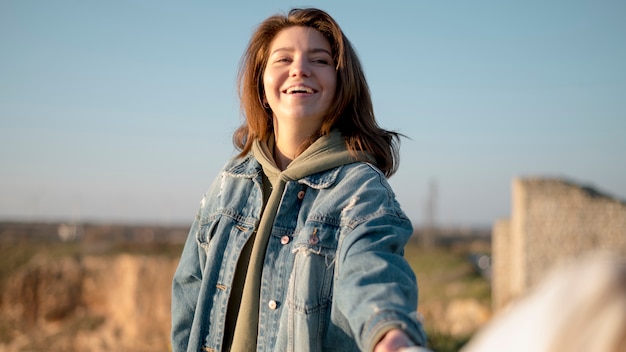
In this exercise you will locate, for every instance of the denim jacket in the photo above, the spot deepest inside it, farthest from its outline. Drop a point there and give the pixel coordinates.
(334, 276)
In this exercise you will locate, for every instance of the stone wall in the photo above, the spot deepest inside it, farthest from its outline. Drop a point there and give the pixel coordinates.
(500, 260)
(552, 220)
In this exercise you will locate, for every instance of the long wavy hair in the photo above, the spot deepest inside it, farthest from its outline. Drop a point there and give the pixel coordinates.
(352, 112)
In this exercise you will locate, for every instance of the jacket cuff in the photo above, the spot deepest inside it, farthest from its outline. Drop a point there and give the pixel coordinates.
(386, 321)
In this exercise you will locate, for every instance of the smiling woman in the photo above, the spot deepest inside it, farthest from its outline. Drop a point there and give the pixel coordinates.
(276, 259)
(351, 111)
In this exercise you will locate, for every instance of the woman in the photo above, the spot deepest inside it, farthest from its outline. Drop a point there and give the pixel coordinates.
(298, 245)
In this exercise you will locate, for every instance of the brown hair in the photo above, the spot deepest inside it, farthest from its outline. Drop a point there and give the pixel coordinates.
(352, 112)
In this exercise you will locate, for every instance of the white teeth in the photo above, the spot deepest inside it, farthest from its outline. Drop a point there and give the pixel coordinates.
(299, 89)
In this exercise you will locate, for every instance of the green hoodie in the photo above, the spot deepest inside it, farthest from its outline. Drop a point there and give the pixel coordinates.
(325, 153)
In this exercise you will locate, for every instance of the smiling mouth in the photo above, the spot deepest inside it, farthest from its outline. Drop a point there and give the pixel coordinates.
(299, 90)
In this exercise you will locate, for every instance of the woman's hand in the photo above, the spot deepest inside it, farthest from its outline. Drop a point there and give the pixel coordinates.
(393, 341)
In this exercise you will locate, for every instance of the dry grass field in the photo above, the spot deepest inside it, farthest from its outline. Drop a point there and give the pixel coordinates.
(85, 295)
(455, 299)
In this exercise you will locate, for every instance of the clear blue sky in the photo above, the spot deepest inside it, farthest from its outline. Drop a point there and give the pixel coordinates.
(123, 110)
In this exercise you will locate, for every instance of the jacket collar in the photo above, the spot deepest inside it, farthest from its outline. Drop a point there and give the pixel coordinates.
(322, 180)
(249, 167)
(245, 167)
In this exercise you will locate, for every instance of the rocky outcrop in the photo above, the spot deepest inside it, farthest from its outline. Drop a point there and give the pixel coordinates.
(93, 303)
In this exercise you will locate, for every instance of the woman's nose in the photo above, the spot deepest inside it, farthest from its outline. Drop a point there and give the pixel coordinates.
(300, 67)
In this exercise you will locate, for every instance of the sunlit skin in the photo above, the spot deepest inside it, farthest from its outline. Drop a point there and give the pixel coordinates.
(393, 341)
(300, 82)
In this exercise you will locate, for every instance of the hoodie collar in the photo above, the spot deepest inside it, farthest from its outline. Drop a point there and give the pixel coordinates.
(326, 153)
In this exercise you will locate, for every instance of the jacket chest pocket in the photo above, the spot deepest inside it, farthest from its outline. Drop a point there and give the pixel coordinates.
(311, 282)
(207, 231)
(219, 229)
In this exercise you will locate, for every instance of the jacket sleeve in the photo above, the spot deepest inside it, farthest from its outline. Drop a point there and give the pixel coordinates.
(185, 289)
(375, 287)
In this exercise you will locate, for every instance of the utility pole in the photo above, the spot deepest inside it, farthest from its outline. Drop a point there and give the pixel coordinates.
(430, 208)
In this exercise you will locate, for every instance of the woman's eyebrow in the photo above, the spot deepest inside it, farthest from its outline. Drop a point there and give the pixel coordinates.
(320, 50)
(310, 51)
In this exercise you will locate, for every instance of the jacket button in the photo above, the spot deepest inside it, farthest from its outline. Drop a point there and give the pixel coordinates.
(314, 240)
(301, 195)
(284, 239)
(272, 304)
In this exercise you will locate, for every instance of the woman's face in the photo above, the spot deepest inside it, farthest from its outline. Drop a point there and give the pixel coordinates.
(300, 77)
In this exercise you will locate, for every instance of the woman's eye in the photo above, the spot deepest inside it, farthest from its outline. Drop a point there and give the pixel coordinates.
(321, 61)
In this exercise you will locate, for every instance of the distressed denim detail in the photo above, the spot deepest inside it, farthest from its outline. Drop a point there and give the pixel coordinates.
(339, 280)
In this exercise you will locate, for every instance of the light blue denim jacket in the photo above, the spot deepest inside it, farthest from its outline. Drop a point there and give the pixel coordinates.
(334, 275)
